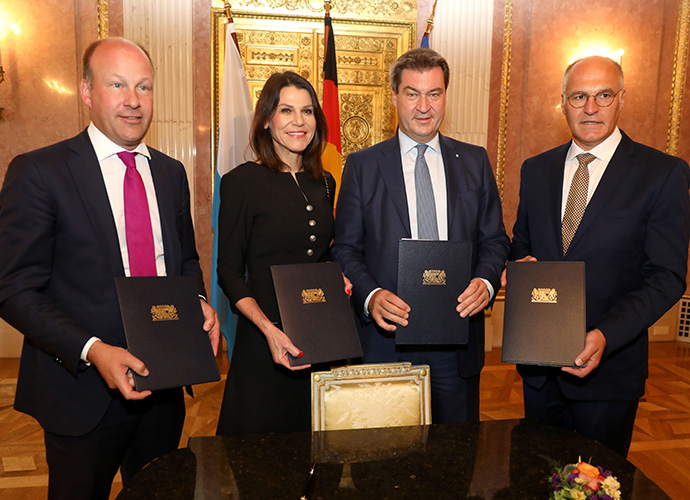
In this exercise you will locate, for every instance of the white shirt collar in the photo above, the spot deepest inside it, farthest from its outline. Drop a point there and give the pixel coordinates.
(603, 151)
(105, 148)
(407, 144)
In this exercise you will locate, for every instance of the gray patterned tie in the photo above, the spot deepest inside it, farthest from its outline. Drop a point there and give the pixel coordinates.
(577, 199)
(427, 226)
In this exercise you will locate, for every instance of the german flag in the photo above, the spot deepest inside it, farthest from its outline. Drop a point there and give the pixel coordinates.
(332, 155)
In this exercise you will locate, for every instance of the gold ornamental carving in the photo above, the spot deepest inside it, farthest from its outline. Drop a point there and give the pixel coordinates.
(679, 75)
(505, 88)
(357, 115)
(271, 42)
(398, 9)
(103, 18)
(356, 129)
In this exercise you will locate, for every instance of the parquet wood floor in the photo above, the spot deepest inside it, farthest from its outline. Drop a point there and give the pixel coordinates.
(660, 448)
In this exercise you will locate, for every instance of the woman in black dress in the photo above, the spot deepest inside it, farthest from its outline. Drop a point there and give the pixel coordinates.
(277, 210)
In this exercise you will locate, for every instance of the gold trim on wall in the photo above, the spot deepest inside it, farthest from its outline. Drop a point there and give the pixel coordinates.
(505, 87)
(369, 9)
(679, 71)
(102, 18)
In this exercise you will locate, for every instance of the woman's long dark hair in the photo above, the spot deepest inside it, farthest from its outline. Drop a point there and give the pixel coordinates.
(260, 138)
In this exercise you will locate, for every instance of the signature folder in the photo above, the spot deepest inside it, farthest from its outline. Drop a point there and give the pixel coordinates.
(544, 319)
(431, 276)
(315, 312)
(163, 324)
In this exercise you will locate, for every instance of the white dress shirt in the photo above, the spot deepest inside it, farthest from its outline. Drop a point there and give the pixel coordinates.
(408, 152)
(603, 153)
(113, 170)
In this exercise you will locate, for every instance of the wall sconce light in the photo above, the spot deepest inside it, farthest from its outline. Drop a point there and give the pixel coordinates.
(58, 87)
(618, 56)
(14, 28)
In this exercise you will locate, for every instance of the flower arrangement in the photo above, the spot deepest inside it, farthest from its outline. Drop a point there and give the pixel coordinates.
(583, 481)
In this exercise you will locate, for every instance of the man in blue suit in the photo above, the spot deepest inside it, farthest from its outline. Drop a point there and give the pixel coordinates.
(632, 233)
(377, 206)
(64, 240)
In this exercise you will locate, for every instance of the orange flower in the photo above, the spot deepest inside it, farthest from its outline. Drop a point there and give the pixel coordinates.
(589, 476)
(588, 470)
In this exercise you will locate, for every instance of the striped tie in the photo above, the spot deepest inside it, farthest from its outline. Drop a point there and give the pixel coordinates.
(427, 226)
(577, 199)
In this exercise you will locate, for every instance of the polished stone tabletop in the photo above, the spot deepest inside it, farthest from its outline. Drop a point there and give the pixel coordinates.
(505, 459)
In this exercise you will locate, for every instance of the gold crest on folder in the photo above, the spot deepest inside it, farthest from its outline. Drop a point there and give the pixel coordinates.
(545, 295)
(434, 277)
(164, 313)
(313, 295)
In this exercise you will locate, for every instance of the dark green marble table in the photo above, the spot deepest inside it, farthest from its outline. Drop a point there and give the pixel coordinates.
(505, 459)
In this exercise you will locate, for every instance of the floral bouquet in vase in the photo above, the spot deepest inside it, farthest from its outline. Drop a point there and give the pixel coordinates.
(583, 481)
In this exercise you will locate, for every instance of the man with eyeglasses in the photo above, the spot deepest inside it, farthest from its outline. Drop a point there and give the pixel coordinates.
(622, 208)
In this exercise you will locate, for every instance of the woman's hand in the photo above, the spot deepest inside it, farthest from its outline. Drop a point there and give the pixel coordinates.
(279, 343)
(348, 286)
(281, 346)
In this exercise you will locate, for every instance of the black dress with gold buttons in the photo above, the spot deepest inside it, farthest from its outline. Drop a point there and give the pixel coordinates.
(267, 219)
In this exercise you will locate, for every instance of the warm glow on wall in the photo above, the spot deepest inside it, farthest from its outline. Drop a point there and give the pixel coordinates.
(616, 55)
(58, 87)
(7, 27)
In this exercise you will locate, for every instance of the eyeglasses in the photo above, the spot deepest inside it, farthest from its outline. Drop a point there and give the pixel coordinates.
(602, 99)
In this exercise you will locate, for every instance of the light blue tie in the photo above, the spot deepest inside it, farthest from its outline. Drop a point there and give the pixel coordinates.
(427, 226)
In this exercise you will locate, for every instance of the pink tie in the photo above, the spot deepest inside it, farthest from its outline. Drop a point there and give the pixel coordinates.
(142, 255)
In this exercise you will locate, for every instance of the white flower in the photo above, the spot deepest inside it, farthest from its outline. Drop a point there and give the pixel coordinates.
(612, 487)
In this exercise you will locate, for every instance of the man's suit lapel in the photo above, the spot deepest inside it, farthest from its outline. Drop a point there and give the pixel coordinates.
(390, 165)
(88, 179)
(615, 171)
(556, 172)
(452, 162)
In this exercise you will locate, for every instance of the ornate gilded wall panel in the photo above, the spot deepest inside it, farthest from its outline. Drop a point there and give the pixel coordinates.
(365, 9)
(365, 49)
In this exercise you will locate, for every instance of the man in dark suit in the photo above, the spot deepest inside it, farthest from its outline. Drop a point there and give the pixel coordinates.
(64, 238)
(378, 205)
(631, 230)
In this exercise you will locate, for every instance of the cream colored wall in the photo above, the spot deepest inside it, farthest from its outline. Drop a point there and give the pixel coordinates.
(165, 29)
(468, 52)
